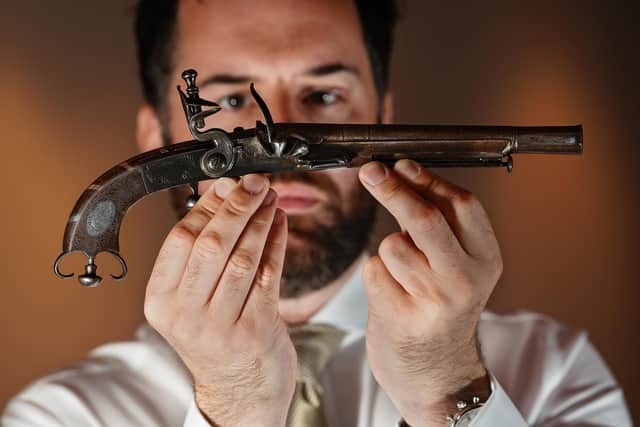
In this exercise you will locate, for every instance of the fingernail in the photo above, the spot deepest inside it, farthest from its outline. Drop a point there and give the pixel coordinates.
(279, 217)
(269, 198)
(224, 186)
(407, 168)
(253, 183)
(373, 173)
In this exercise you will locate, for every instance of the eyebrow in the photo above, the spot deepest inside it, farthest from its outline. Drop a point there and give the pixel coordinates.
(336, 67)
(226, 79)
(318, 71)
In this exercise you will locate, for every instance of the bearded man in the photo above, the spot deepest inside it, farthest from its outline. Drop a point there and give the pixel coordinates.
(264, 307)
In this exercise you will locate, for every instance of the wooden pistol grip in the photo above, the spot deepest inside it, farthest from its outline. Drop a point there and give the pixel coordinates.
(94, 224)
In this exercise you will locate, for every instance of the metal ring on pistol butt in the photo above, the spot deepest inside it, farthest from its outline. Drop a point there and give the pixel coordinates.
(56, 266)
(90, 278)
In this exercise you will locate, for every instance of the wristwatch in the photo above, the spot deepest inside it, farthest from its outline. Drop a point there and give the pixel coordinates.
(466, 413)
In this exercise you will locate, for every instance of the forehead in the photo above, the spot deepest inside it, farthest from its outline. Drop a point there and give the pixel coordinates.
(268, 36)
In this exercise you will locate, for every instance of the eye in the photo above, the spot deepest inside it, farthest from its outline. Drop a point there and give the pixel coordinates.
(234, 101)
(323, 97)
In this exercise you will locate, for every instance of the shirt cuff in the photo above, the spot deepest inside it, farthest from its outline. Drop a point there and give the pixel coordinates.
(499, 410)
(194, 417)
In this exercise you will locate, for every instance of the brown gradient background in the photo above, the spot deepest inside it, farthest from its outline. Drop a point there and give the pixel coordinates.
(567, 225)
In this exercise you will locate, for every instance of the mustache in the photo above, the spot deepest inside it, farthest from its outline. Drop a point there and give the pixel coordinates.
(320, 181)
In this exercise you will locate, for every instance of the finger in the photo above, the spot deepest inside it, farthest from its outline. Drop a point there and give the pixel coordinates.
(240, 269)
(422, 219)
(264, 296)
(217, 239)
(384, 293)
(406, 264)
(172, 257)
(463, 211)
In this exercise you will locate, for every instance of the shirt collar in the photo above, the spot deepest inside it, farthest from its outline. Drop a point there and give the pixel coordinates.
(347, 310)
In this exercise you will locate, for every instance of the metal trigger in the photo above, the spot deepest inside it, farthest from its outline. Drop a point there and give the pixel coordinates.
(194, 197)
(507, 161)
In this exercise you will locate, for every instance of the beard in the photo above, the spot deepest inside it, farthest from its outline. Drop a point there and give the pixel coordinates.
(332, 238)
(328, 241)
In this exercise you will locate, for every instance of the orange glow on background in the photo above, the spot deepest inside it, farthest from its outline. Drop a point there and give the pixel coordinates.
(568, 226)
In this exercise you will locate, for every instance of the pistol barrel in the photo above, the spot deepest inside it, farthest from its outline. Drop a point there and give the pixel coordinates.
(549, 140)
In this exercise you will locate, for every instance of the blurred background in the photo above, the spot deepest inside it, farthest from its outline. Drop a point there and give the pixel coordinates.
(568, 226)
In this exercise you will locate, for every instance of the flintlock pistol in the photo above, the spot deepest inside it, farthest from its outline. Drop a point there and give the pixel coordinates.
(94, 223)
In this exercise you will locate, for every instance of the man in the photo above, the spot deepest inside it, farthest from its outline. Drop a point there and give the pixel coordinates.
(235, 321)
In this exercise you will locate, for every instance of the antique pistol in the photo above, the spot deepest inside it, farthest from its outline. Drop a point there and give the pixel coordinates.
(94, 223)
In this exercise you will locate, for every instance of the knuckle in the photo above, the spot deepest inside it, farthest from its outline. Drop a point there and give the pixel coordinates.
(236, 207)
(267, 275)
(189, 283)
(497, 266)
(184, 324)
(178, 326)
(157, 316)
(464, 200)
(208, 204)
(392, 190)
(492, 264)
(261, 222)
(183, 234)
(241, 263)
(158, 280)
(151, 313)
(440, 298)
(371, 272)
(393, 245)
(429, 218)
(249, 329)
(210, 244)
(466, 294)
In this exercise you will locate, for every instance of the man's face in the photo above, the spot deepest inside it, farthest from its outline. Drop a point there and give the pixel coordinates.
(309, 62)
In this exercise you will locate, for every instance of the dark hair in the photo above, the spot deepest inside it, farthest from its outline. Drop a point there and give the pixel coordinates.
(155, 24)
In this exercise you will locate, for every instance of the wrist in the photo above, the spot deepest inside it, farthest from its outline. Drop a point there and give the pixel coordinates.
(240, 412)
(435, 414)
(227, 419)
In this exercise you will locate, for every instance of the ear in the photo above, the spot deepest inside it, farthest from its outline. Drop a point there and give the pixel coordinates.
(148, 129)
(387, 108)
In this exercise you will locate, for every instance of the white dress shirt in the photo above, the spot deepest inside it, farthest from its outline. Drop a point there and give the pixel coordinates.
(543, 374)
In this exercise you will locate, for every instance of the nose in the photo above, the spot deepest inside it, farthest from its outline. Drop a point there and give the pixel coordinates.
(277, 100)
(280, 110)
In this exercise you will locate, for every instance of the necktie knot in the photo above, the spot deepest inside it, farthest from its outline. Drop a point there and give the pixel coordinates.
(315, 345)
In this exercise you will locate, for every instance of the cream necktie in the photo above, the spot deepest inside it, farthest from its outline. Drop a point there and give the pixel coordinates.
(315, 345)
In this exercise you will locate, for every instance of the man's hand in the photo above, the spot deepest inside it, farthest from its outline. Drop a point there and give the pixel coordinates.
(213, 294)
(426, 291)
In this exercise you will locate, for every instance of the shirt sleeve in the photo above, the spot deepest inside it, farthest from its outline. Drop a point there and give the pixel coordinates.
(498, 410)
(194, 417)
(548, 375)
(25, 414)
(568, 386)
(46, 406)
